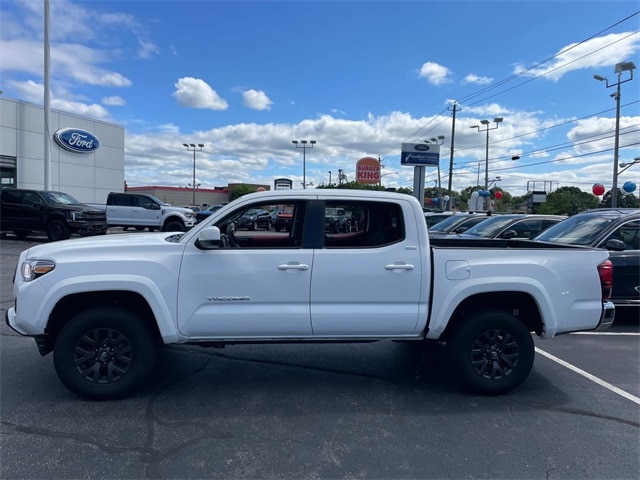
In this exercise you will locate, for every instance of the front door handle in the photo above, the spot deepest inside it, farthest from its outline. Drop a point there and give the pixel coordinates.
(293, 266)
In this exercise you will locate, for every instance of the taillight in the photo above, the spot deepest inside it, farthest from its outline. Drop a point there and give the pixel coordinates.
(605, 270)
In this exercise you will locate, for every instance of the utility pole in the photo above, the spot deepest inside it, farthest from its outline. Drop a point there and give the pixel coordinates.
(453, 133)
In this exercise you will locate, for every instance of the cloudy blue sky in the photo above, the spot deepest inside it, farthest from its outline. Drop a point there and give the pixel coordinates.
(359, 77)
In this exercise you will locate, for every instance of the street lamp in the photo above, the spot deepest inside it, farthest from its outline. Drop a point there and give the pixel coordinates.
(624, 166)
(486, 128)
(329, 178)
(304, 145)
(192, 147)
(619, 68)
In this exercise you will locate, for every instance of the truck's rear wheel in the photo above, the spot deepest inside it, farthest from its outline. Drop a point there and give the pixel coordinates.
(57, 230)
(104, 353)
(492, 353)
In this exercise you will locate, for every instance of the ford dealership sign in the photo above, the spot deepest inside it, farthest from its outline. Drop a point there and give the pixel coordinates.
(76, 140)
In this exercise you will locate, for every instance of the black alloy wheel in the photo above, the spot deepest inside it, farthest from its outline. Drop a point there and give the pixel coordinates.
(104, 353)
(492, 352)
(57, 230)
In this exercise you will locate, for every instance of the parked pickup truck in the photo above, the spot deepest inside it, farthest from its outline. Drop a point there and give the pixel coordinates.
(23, 211)
(104, 305)
(140, 211)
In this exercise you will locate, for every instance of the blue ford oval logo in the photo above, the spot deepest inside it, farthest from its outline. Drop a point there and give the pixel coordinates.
(76, 140)
(421, 148)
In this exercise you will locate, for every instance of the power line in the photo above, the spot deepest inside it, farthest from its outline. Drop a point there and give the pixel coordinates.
(394, 150)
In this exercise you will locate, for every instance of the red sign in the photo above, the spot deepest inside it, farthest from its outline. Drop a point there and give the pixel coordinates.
(368, 170)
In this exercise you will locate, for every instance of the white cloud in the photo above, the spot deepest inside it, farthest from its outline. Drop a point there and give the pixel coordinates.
(147, 49)
(256, 100)
(475, 79)
(26, 56)
(114, 101)
(595, 53)
(34, 92)
(196, 93)
(434, 73)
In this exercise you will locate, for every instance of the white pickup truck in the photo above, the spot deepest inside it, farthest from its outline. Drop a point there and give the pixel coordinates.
(104, 305)
(140, 211)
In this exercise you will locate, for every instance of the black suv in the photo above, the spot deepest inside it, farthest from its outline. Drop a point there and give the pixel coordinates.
(618, 231)
(56, 213)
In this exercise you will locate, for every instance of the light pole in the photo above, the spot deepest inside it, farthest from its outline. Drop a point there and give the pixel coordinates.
(304, 145)
(192, 147)
(438, 141)
(486, 128)
(329, 178)
(619, 68)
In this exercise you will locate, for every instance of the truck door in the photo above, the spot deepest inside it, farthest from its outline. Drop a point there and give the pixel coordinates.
(120, 209)
(259, 288)
(147, 212)
(369, 281)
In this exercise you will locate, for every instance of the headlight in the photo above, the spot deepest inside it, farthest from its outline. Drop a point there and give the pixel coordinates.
(76, 216)
(32, 269)
(189, 214)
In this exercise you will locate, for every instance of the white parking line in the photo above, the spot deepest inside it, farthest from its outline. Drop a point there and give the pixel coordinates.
(628, 334)
(587, 375)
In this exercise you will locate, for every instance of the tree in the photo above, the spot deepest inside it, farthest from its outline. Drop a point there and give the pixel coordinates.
(623, 201)
(568, 201)
(241, 190)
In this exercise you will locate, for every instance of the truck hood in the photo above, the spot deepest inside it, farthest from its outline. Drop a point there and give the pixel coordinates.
(77, 207)
(104, 243)
(171, 208)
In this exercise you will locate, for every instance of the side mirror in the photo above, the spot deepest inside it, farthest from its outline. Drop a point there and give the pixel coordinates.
(614, 244)
(509, 234)
(209, 238)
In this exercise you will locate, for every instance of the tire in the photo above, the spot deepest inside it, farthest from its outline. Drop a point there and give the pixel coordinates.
(22, 233)
(173, 226)
(57, 230)
(104, 353)
(492, 353)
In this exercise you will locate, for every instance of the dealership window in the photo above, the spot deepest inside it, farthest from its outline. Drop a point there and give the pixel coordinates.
(7, 171)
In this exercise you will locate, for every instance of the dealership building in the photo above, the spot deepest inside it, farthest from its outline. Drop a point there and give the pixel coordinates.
(88, 174)
(86, 158)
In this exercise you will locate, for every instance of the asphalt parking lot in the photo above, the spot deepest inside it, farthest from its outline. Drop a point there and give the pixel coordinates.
(376, 411)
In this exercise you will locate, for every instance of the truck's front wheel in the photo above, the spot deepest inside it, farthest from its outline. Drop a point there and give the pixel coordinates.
(173, 226)
(104, 353)
(57, 230)
(492, 353)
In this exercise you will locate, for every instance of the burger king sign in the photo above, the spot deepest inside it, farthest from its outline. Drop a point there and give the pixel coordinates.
(368, 171)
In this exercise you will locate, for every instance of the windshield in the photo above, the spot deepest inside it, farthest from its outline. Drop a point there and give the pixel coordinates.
(448, 223)
(60, 198)
(160, 202)
(578, 230)
(490, 227)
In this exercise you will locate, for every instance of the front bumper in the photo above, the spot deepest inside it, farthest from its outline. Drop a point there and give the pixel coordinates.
(89, 227)
(10, 320)
(607, 316)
